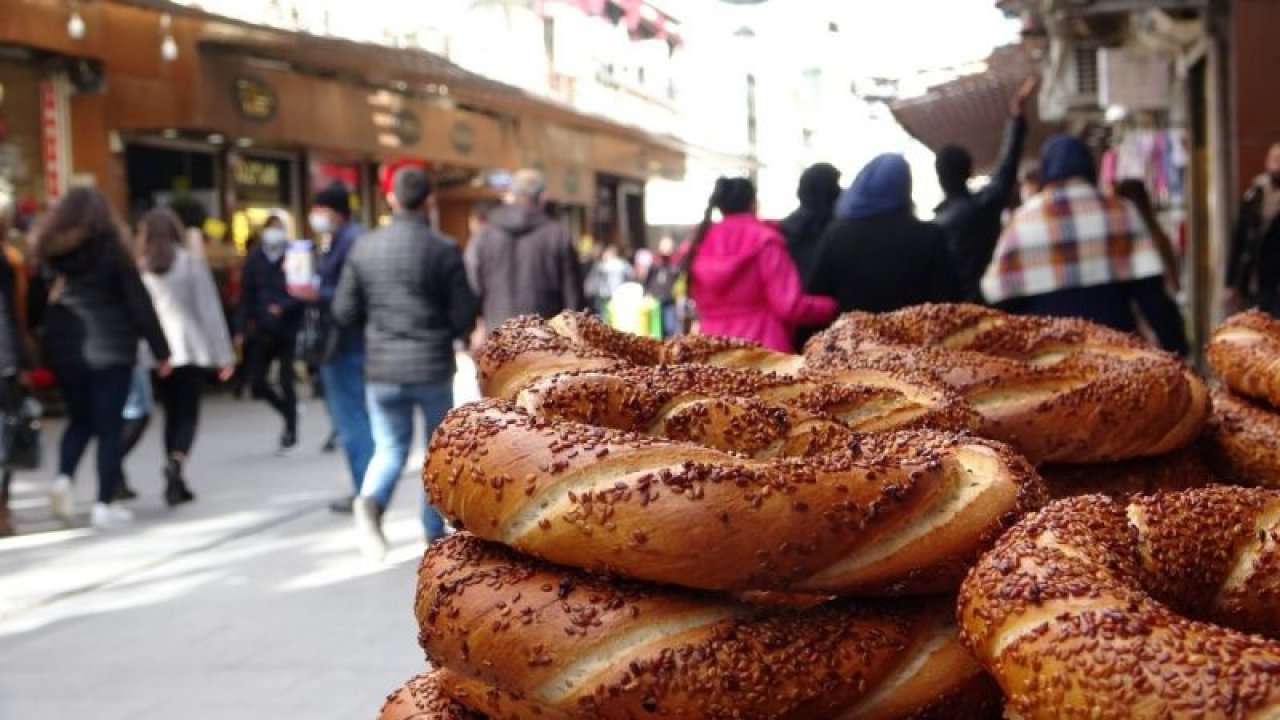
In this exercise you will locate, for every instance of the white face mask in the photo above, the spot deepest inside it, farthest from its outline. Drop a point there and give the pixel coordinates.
(274, 239)
(320, 223)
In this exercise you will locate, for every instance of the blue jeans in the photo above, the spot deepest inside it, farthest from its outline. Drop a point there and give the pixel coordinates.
(344, 393)
(95, 400)
(391, 410)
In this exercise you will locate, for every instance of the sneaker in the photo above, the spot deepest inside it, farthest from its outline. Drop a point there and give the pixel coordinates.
(110, 517)
(288, 443)
(62, 499)
(369, 528)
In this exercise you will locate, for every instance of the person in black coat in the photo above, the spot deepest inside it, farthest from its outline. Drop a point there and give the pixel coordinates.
(267, 325)
(97, 310)
(877, 256)
(818, 191)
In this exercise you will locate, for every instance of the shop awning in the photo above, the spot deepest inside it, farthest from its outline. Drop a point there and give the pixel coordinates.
(972, 111)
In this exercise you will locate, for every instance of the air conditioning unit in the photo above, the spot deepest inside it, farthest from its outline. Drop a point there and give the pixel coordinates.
(1070, 82)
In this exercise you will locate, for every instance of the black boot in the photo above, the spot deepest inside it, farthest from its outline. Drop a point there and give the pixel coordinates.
(124, 492)
(176, 491)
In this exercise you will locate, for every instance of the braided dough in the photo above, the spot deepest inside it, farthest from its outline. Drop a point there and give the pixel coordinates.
(424, 698)
(1245, 352)
(1094, 608)
(901, 513)
(754, 413)
(1243, 440)
(1058, 390)
(527, 640)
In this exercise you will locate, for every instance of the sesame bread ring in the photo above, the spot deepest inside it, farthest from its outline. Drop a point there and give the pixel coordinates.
(1245, 352)
(1058, 390)
(746, 411)
(897, 513)
(1243, 440)
(423, 698)
(529, 640)
(1164, 606)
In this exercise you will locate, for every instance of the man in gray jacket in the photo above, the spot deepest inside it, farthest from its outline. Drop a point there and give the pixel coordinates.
(522, 262)
(405, 283)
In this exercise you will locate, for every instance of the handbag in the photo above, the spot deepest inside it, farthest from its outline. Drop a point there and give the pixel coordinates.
(21, 423)
(318, 340)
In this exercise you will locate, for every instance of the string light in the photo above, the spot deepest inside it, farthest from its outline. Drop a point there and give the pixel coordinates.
(75, 23)
(168, 45)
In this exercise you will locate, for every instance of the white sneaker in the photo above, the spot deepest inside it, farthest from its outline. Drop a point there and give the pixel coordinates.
(62, 499)
(110, 517)
(369, 528)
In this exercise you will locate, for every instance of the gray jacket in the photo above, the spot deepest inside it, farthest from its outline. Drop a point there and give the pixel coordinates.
(406, 284)
(190, 312)
(523, 263)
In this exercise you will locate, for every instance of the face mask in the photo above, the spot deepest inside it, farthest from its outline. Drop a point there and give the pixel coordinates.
(274, 240)
(320, 223)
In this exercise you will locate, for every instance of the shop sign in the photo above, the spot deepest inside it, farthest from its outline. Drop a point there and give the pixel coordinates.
(255, 99)
(259, 180)
(462, 137)
(49, 137)
(406, 127)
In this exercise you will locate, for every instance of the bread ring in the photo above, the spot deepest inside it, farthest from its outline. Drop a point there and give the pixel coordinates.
(1084, 610)
(898, 513)
(1243, 441)
(1245, 352)
(423, 698)
(746, 411)
(1058, 390)
(559, 643)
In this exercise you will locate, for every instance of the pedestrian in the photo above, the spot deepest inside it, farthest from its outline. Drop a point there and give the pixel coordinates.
(267, 324)
(13, 358)
(1253, 273)
(137, 418)
(660, 284)
(406, 284)
(522, 262)
(611, 272)
(343, 363)
(818, 191)
(186, 300)
(97, 311)
(741, 279)
(1071, 251)
(973, 220)
(877, 256)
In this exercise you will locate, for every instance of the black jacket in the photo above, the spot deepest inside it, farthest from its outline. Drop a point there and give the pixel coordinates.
(263, 286)
(973, 220)
(97, 307)
(407, 285)
(1254, 266)
(882, 263)
(523, 263)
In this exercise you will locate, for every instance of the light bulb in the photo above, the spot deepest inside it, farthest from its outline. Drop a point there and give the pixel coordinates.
(75, 25)
(169, 48)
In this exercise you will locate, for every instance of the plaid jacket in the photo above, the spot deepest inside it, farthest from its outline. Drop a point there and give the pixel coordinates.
(1070, 236)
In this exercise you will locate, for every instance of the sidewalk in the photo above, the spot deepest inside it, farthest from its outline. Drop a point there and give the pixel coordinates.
(250, 603)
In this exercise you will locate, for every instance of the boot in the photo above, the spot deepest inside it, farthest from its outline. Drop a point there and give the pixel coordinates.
(176, 491)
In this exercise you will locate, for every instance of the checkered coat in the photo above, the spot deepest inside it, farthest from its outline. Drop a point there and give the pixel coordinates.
(1070, 236)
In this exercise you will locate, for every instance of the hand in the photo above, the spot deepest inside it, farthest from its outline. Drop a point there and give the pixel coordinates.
(164, 369)
(274, 310)
(305, 294)
(226, 372)
(1018, 106)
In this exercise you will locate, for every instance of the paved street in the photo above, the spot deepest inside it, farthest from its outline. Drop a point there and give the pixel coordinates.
(250, 603)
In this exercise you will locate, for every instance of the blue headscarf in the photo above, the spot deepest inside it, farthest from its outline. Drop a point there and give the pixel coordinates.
(1064, 157)
(883, 186)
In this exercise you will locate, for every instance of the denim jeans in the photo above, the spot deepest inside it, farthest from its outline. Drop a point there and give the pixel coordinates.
(391, 409)
(344, 393)
(95, 400)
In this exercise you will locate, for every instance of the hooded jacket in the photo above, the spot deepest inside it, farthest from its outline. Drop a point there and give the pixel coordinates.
(746, 286)
(818, 191)
(523, 262)
(877, 256)
(97, 308)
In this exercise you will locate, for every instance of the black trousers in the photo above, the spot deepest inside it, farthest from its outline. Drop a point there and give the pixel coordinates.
(180, 395)
(263, 352)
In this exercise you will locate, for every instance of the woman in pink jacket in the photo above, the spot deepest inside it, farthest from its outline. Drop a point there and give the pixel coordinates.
(741, 278)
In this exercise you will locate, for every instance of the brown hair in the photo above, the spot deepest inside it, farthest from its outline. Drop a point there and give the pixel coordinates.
(82, 220)
(159, 237)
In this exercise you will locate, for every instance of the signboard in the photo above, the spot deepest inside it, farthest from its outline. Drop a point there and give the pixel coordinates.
(49, 137)
(254, 99)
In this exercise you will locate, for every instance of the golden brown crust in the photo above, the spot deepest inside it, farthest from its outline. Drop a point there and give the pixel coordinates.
(1058, 390)
(1245, 352)
(1180, 470)
(552, 642)
(423, 698)
(897, 513)
(1243, 441)
(1073, 611)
